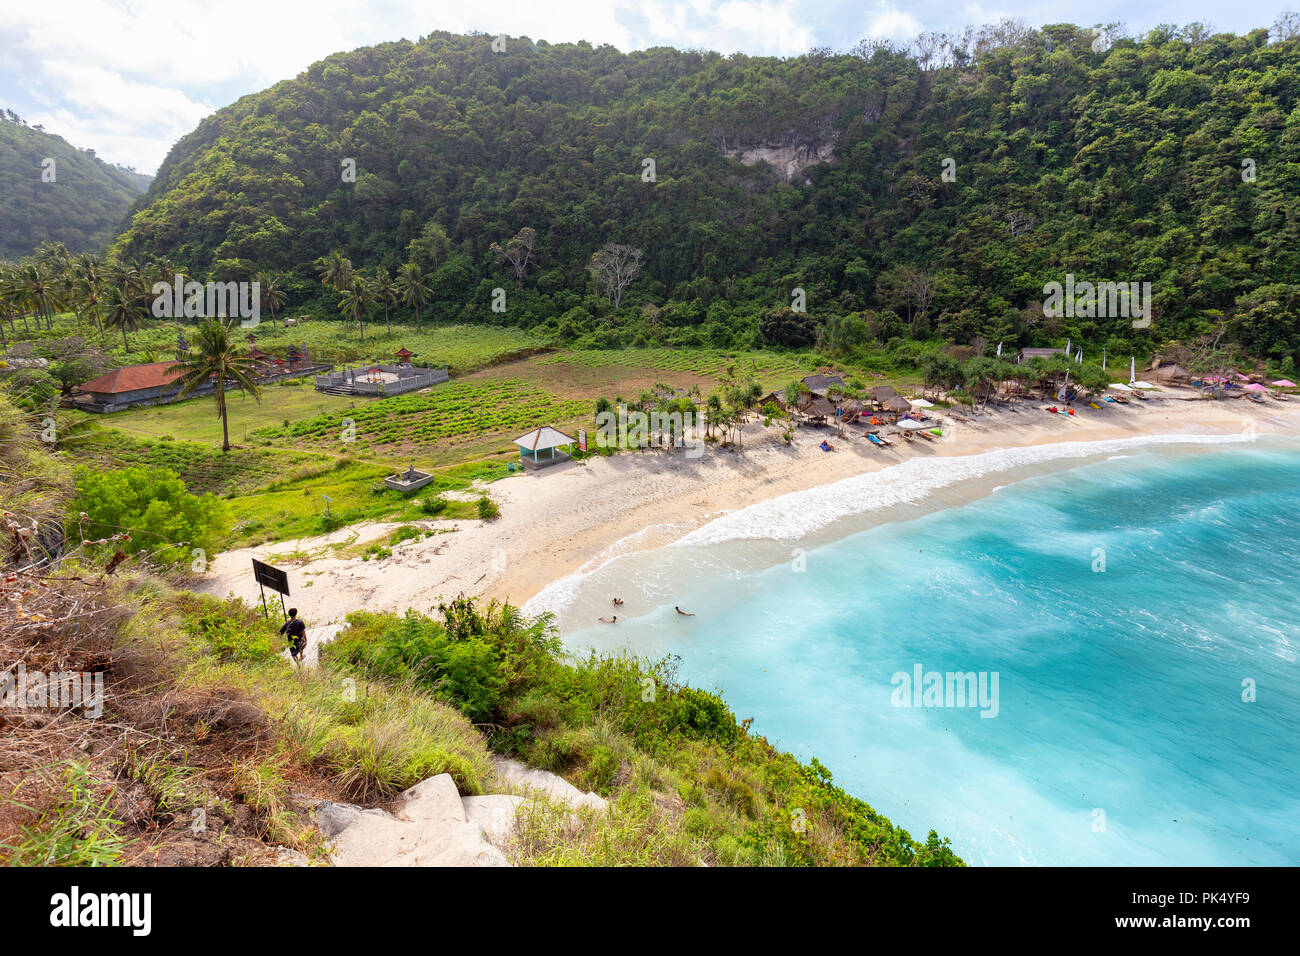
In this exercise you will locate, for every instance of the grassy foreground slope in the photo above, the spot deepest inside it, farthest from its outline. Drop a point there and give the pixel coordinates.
(210, 745)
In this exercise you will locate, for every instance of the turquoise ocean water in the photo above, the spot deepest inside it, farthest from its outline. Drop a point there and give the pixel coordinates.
(1126, 601)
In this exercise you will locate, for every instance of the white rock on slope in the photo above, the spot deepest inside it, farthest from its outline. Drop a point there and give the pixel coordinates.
(433, 825)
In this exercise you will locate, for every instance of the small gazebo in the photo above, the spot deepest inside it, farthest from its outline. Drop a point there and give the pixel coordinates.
(545, 439)
(404, 355)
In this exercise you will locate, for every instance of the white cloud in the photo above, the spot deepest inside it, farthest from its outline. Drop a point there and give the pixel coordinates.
(887, 22)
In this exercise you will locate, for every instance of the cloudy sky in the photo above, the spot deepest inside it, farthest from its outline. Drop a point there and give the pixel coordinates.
(129, 77)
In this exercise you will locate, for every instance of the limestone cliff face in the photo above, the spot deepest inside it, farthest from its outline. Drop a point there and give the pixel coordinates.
(787, 157)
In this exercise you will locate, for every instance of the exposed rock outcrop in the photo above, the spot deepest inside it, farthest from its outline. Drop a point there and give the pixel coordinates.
(433, 825)
(787, 155)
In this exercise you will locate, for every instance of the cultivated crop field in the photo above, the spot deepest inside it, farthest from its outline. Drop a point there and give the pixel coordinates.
(449, 416)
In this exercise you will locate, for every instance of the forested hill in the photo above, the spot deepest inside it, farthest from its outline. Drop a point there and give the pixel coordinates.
(1172, 158)
(78, 200)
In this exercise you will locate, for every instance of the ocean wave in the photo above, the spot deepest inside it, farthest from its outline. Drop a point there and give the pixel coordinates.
(801, 513)
(797, 514)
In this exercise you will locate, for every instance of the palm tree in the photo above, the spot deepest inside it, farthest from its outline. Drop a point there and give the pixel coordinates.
(215, 357)
(356, 300)
(11, 297)
(123, 309)
(384, 290)
(273, 294)
(85, 286)
(41, 292)
(715, 412)
(414, 287)
(336, 271)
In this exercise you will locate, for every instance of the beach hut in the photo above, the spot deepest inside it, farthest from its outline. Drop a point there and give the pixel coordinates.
(881, 393)
(817, 408)
(818, 384)
(896, 404)
(537, 449)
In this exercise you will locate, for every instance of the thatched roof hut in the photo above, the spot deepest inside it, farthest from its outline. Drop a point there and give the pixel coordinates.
(818, 384)
(814, 406)
(881, 393)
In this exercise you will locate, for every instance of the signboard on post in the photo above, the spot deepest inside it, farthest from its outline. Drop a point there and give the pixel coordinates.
(267, 576)
(582, 439)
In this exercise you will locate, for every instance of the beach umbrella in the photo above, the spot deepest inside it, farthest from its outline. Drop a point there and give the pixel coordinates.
(999, 350)
(1120, 387)
(921, 403)
(1103, 360)
(1285, 383)
(1132, 370)
(908, 424)
(1254, 387)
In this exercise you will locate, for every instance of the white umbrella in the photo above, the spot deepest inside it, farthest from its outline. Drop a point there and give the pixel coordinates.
(908, 424)
(921, 403)
(999, 350)
(1120, 387)
(1132, 370)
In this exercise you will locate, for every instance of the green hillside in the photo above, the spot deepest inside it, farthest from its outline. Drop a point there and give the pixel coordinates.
(82, 207)
(1171, 158)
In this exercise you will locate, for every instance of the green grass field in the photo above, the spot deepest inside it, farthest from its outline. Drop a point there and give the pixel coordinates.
(462, 348)
(297, 507)
(202, 467)
(195, 419)
(768, 367)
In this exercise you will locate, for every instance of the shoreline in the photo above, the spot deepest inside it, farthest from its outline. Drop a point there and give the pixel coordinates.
(570, 519)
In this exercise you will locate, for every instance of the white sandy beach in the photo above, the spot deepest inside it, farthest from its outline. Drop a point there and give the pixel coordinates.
(575, 516)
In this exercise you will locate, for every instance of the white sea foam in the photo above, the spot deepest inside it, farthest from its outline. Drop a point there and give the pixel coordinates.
(800, 513)
(797, 514)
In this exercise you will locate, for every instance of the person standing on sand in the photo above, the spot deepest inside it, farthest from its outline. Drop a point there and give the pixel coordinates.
(296, 631)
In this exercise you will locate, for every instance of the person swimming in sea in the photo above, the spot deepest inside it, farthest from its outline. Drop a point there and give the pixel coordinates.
(618, 602)
(681, 612)
(609, 620)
